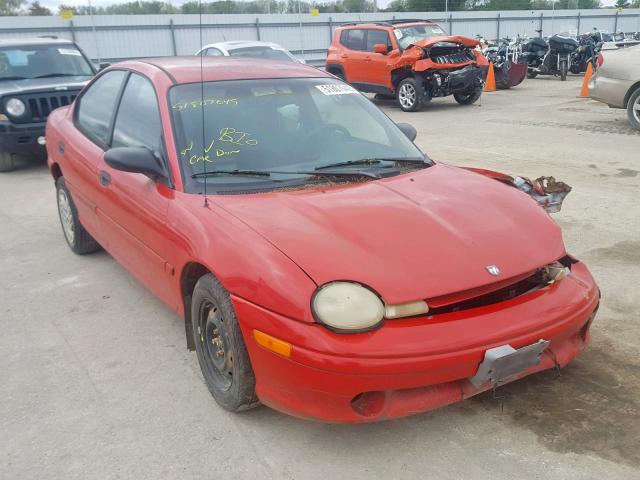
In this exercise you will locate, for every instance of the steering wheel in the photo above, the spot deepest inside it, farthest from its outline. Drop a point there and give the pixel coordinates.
(321, 137)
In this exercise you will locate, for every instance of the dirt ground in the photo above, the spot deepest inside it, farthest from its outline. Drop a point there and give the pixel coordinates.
(95, 380)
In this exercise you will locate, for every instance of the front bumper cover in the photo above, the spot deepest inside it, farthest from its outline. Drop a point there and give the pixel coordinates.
(21, 139)
(466, 79)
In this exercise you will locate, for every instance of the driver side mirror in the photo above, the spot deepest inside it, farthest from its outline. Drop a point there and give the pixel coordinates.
(135, 160)
(380, 48)
(409, 130)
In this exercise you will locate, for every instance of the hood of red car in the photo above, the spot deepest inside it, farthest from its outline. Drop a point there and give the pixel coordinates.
(414, 236)
(430, 42)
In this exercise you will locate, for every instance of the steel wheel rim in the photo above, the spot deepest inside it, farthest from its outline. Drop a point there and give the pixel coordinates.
(407, 95)
(636, 109)
(215, 345)
(66, 216)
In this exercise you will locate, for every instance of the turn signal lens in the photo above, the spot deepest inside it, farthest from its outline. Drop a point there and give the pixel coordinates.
(272, 343)
(410, 309)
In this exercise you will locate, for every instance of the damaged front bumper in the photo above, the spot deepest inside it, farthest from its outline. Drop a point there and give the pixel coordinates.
(466, 79)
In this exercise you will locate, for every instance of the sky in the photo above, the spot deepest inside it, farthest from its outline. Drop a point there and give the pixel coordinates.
(53, 4)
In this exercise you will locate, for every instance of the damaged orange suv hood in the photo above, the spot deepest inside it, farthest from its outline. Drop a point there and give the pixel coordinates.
(430, 42)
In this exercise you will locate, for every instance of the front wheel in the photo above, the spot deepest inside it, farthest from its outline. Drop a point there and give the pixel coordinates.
(221, 351)
(6, 162)
(563, 70)
(468, 98)
(633, 109)
(409, 95)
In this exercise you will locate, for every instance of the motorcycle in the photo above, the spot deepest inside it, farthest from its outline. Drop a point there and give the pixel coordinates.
(504, 57)
(587, 51)
(553, 58)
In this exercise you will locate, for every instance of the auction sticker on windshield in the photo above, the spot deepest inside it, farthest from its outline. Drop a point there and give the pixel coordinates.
(68, 51)
(336, 89)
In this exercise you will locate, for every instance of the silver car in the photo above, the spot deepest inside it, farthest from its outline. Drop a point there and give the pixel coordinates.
(248, 48)
(617, 82)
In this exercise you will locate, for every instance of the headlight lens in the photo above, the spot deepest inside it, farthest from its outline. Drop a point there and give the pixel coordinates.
(347, 306)
(15, 107)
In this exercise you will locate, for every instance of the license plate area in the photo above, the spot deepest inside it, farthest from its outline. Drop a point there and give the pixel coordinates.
(501, 363)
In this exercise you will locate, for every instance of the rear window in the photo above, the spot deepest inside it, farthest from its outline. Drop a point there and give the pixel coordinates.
(353, 39)
(260, 52)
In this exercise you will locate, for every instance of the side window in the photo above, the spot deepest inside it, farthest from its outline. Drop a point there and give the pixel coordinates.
(213, 52)
(377, 36)
(96, 106)
(353, 39)
(138, 120)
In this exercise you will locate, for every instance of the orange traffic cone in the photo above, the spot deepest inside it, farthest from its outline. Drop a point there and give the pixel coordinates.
(584, 92)
(490, 84)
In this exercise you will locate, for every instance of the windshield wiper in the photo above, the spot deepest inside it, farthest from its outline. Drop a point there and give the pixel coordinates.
(267, 173)
(13, 78)
(61, 75)
(369, 161)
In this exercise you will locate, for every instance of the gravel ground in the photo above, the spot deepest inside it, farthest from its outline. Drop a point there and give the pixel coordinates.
(97, 383)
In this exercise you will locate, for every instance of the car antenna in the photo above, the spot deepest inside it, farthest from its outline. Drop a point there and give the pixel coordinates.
(204, 160)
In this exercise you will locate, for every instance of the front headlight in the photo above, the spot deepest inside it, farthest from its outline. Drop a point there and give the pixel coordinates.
(15, 107)
(347, 306)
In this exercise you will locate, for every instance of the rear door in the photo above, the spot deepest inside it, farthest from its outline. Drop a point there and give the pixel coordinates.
(132, 207)
(353, 54)
(81, 152)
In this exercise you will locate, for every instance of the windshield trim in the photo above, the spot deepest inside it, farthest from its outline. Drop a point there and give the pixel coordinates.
(261, 185)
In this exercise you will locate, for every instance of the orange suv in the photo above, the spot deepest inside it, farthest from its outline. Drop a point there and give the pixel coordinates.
(411, 60)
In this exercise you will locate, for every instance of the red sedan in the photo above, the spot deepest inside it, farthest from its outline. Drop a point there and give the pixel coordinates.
(323, 265)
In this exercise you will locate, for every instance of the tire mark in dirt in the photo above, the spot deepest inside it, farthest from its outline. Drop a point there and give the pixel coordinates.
(627, 252)
(591, 407)
(598, 128)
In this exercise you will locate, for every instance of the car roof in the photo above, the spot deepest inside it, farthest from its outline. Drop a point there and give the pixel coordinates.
(18, 42)
(187, 69)
(235, 44)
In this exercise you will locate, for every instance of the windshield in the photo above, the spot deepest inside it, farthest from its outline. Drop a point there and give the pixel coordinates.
(260, 52)
(409, 35)
(37, 61)
(280, 125)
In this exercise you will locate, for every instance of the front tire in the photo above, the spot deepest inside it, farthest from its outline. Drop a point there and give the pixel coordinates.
(409, 95)
(633, 109)
(468, 98)
(6, 162)
(220, 348)
(78, 239)
(563, 70)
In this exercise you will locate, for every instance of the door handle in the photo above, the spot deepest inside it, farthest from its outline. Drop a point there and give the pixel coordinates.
(367, 59)
(344, 55)
(61, 148)
(105, 178)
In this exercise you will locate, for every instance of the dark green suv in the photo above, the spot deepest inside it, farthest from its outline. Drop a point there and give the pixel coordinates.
(36, 76)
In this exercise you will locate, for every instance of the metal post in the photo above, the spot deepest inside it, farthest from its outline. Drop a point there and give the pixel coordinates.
(450, 24)
(301, 30)
(578, 22)
(615, 23)
(330, 31)
(498, 27)
(258, 28)
(72, 30)
(173, 38)
(541, 21)
(95, 36)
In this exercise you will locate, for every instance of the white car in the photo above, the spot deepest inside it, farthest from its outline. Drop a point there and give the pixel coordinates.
(244, 48)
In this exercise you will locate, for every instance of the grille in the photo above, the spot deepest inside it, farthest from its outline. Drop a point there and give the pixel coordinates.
(40, 105)
(453, 58)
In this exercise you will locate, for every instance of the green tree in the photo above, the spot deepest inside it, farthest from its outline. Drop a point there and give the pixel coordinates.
(35, 9)
(622, 4)
(10, 7)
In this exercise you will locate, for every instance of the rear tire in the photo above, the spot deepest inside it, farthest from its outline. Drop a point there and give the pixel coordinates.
(220, 348)
(77, 237)
(409, 95)
(532, 74)
(563, 71)
(468, 98)
(6, 162)
(633, 109)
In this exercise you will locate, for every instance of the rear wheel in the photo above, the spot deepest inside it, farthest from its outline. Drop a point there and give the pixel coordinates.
(633, 109)
(563, 70)
(532, 74)
(468, 98)
(76, 236)
(409, 95)
(220, 348)
(6, 162)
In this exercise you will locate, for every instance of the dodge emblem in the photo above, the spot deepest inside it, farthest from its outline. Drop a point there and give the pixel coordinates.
(493, 270)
